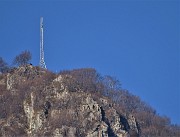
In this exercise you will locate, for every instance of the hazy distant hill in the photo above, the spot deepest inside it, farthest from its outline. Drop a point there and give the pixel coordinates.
(77, 103)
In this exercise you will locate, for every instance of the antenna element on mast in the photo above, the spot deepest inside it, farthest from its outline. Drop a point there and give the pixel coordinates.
(42, 62)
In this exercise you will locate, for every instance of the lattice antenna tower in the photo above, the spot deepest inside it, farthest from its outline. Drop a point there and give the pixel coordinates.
(42, 62)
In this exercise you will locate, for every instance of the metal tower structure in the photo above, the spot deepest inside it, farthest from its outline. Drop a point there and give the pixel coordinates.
(42, 62)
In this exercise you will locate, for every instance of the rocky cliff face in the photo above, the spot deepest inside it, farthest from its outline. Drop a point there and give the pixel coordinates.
(48, 108)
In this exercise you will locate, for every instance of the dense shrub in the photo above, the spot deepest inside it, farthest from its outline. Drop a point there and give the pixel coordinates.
(151, 124)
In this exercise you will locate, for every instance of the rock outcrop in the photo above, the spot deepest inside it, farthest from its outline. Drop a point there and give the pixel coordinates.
(48, 108)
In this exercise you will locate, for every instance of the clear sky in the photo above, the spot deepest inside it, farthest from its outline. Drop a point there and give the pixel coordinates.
(138, 42)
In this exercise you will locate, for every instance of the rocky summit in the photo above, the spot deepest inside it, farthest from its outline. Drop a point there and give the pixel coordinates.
(36, 102)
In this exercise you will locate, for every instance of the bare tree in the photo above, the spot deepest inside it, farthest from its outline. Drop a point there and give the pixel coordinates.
(84, 79)
(3, 66)
(23, 58)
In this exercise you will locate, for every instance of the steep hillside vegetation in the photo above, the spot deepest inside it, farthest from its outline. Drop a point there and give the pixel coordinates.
(79, 103)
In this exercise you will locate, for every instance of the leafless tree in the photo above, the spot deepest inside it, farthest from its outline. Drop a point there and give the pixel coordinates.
(23, 58)
(3, 66)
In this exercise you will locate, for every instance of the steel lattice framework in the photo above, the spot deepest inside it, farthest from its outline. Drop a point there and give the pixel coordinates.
(42, 62)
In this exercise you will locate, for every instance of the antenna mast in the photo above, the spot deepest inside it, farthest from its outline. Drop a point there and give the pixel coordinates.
(42, 62)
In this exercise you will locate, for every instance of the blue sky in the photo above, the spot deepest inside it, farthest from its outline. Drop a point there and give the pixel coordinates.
(135, 41)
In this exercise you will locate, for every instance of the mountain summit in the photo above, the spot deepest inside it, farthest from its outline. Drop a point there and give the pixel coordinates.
(77, 103)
